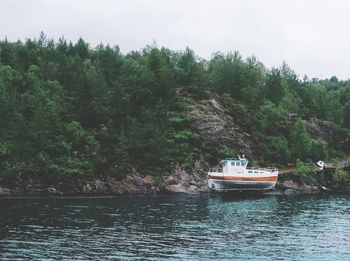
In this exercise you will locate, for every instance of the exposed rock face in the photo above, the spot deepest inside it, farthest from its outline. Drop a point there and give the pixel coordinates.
(291, 187)
(132, 184)
(213, 121)
(329, 132)
(4, 191)
(180, 181)
(185, 182)
(319, 129)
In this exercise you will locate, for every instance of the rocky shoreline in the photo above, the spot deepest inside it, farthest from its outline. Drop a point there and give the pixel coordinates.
(179, 182)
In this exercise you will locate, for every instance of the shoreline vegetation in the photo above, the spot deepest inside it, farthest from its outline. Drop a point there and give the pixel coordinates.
(78, 120)
(179, 183)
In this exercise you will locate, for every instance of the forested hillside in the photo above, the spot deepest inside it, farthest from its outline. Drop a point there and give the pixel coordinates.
(70, 109)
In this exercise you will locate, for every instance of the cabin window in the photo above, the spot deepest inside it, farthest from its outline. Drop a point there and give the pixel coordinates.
(250, 171)
(232, 163)
(256, 171)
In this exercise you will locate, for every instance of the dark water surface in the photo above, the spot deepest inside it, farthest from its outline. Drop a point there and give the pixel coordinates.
(198, 227)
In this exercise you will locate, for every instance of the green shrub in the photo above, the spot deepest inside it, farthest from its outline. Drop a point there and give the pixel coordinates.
(300, 141)
(227, 153)
(305, 172)
(318, 150)
(277, 150)
(158, 180)
(340, 177)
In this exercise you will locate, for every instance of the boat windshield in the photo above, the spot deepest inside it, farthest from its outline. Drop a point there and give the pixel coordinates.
(241, 162)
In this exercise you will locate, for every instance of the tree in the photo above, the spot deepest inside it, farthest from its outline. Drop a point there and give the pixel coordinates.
(346, 115)
(226, 73)
(276, 150)
(190, 71)
(300, 141)
(276, 86)
(318, 150)
(270, 118)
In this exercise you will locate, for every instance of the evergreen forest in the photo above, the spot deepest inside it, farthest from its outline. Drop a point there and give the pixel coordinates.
(67, 108)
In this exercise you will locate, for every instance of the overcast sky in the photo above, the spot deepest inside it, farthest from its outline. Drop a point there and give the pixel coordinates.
(312, 36)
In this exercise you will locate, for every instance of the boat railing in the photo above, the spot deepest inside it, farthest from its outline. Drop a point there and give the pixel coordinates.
(270, 168)
(219, 170)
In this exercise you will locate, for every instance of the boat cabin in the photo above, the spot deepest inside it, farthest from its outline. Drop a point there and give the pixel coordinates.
(229, 165)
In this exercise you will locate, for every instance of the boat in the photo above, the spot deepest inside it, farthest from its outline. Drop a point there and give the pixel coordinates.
(234, 175)
(325, 166)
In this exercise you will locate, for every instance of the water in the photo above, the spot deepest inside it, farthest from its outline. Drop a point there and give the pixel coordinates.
(198, 227)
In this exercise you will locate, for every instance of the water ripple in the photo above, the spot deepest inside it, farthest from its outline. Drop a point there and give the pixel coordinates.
(155, 228)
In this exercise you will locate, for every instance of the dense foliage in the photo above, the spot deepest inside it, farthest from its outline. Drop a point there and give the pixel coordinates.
(69, 109)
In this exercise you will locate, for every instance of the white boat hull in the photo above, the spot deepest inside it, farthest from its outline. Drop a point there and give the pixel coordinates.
(242, 182)
(229, 185)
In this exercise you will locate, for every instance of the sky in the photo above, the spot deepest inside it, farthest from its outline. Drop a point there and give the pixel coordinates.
(311, 36)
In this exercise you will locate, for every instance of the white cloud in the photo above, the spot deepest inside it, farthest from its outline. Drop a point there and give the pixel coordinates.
(311, 36)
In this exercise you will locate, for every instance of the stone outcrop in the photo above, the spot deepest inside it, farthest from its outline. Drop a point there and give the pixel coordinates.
(329, 133)
(213, 121)
(132, 184)
(324, 130)
(4, 191)
(187, 182)
(291, 187)
(180, 181)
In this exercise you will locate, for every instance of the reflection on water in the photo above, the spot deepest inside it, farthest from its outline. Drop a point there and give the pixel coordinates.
(206, 227)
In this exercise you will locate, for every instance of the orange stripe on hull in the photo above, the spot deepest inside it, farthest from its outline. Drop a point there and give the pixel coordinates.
(271, 178)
